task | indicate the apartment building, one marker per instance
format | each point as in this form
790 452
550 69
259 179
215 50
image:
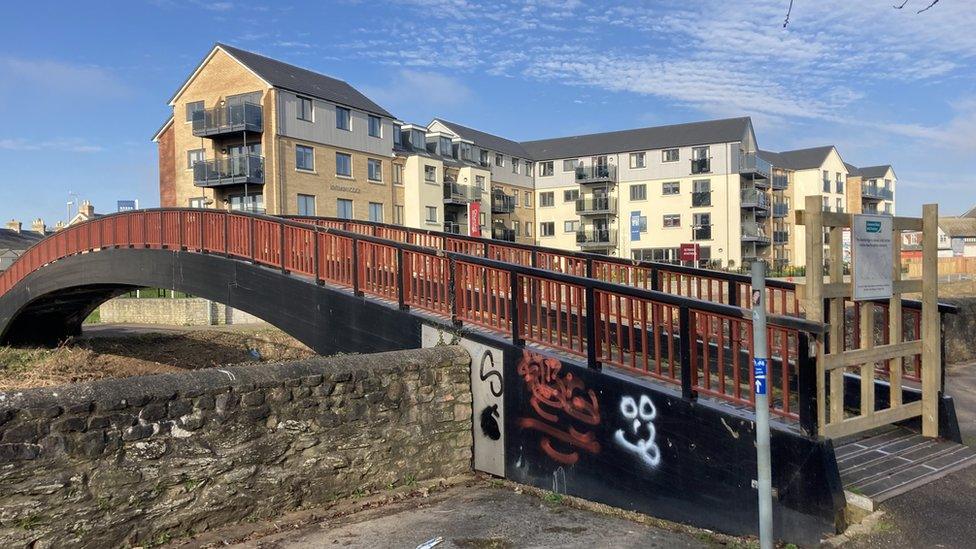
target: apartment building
251 133
871 189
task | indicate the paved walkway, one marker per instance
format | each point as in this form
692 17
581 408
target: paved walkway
477 517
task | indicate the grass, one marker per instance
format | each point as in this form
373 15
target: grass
553 497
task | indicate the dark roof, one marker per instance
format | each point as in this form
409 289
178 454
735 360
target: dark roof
658 137
800 159
282 75
852 169
12 240
875 172
487 140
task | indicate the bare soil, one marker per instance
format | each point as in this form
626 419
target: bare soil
88 359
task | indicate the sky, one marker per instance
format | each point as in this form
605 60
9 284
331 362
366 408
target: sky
84 86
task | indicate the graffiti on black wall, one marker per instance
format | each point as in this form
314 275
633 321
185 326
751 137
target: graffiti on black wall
638 434
565 411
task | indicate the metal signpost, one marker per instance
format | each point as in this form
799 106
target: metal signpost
764 479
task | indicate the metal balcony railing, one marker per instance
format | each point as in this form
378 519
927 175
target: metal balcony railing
454 192
702 232
596 174
780 182
781 209
502 233
752 165
596 237
502 203
701 198
452 227
596 205
874 191
751 198
228 120
701 165
753 232
780 237
230 170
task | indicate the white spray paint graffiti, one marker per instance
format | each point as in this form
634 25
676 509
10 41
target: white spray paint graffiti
641 414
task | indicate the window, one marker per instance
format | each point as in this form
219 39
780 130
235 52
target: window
465 151
840 204
192 109
398 215
483 157
515 198
701 193
200 202
528 168
446 148
547 229
638 192
840 183
431 214
672 220
304 158
570 226
669 155
517 227
249 203
306 204
304 109
528 229
569 165
479 180
375 169
702 220
397 174
670 188
376 212
637 160
887 184
547 199
192 157
545 169
826 182
397 135
343 208
430 174
342 118
499 160
375 126
528 199
515 165
343 164
571 196
826 204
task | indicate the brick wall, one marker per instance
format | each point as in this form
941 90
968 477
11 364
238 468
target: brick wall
191 311
138 460
167 168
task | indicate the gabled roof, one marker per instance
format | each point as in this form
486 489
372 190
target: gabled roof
875 172
159 132
853 170
289 77
658 137
13 240
958 227
800 159
487 140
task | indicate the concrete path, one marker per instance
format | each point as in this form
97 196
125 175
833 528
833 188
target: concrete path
477 517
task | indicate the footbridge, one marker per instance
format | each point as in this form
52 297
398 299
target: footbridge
625 382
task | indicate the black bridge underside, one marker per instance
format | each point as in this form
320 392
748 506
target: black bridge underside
50 304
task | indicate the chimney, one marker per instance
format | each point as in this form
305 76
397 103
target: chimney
38 226
59 226
87 209
14 225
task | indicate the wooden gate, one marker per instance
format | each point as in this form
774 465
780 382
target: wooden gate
853 344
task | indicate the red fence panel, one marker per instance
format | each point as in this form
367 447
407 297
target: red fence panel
638 334
468 247
377 269
239 236
483 296
267 242
215 232
554 313
426 282
510 254
300 249
560 263
335 258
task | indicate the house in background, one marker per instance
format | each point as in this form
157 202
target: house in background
14 240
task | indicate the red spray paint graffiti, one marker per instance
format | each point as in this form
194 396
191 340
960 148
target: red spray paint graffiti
559 397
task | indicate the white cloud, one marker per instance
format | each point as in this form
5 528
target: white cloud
420 90
58 144
30 76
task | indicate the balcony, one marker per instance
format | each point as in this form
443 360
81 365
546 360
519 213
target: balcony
589 175
596 238
702 232
781 209
595 205
229 120
459 194
231 170
753 167
780 182
701 199
501 233
875 192
780 237
502 203
452 227
751 198
701 165
753 232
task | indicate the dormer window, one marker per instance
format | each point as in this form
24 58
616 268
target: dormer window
446 147
418 140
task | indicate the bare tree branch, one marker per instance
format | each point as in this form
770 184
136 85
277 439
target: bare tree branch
902 5
927 8
788 11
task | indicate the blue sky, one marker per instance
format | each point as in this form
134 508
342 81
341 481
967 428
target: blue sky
83 88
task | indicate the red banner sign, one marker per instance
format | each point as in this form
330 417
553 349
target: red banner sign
689 252
474 218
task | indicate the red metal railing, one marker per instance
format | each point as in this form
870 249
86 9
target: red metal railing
617 317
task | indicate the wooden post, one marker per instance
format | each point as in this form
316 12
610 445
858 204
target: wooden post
931 337
813 225
837 320
895 326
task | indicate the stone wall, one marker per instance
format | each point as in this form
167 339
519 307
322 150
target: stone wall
173 312
145 459
959 328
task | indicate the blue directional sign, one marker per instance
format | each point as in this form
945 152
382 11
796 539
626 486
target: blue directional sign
759 374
